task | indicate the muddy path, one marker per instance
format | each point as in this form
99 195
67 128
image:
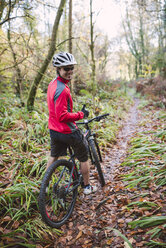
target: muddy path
95 215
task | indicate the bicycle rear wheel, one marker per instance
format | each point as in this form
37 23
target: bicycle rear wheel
58 193
96 161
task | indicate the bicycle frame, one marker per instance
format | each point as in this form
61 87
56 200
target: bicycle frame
88 136
91 136
74 167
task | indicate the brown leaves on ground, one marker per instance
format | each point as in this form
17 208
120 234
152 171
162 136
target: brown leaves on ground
94 216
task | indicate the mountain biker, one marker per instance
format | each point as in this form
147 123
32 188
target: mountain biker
61 123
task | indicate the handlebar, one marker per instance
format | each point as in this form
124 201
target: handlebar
97 118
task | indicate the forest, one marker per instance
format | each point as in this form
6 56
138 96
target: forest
123 74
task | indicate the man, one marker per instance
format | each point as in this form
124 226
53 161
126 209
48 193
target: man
63 129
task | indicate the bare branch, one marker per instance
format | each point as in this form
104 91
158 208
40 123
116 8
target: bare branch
11 18
5 49
66 40
13 66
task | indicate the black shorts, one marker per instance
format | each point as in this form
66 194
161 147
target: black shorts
60 142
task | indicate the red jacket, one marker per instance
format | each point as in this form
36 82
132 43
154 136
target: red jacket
60 106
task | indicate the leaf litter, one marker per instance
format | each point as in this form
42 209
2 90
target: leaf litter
110 217
117 215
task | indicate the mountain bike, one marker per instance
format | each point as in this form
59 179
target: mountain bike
59 187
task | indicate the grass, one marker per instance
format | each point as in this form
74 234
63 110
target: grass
24 150
147 162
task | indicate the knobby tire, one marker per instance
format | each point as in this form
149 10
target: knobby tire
96 158
55 205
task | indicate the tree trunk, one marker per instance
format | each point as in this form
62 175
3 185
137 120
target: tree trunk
2 7
71 83
164 41
70 26
142 43
42 70
136 45
93 65
17 69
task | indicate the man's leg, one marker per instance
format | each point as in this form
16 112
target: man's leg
85 169
51 161
81 152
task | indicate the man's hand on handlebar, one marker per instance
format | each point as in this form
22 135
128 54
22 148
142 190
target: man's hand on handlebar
85 111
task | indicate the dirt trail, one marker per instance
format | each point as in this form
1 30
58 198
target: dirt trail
95 215
118 152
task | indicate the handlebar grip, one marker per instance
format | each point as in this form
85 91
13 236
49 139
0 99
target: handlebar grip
98 118
105 115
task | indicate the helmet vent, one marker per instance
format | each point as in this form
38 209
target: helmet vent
63 59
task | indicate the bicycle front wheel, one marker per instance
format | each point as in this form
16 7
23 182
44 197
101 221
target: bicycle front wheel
58 193
96 161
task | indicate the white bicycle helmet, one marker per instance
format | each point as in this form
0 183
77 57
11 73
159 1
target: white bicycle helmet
63 59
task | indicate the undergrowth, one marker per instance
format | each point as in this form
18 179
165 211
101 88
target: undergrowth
146 162
24 153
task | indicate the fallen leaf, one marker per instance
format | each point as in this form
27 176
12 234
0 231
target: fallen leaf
79 235
62 240
16 224
109 241
87 241
7 218
121 221
132 240
69 238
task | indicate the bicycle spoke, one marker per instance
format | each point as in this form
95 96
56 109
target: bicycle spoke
59 193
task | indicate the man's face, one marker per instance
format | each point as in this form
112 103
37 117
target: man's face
66 72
